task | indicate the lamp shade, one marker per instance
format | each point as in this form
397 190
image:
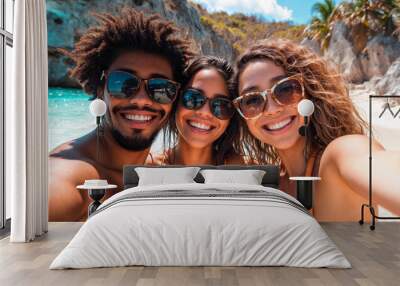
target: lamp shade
305 107
97 107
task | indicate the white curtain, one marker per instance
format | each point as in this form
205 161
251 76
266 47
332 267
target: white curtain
26 117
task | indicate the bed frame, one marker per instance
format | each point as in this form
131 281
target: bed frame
270 179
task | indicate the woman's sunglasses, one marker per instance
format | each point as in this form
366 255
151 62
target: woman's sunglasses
287 91
221 107
122 84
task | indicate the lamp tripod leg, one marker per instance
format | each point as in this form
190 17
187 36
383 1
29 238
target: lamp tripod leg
361 221
93 207
372 211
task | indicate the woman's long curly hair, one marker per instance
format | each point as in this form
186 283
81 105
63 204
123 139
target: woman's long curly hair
334 115
223 146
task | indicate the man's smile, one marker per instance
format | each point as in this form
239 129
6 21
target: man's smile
138 119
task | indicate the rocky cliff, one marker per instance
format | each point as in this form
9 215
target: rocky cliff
68 19
371 62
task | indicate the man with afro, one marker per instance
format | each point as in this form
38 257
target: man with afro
134 63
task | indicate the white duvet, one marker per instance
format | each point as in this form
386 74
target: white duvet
201 224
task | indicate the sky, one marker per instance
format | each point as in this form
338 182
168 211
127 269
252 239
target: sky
297 11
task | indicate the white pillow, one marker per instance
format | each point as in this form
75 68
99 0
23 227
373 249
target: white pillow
163 176
249 177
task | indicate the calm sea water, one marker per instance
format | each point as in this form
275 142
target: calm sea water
69 117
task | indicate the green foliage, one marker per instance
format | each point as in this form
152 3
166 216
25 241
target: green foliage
368 16
321 22
241 30
377 16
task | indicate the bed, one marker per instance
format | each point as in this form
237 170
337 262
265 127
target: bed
201 223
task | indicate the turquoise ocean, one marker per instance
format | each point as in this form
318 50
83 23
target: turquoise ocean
69 117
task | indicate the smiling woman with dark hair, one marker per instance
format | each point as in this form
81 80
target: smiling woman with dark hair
204 125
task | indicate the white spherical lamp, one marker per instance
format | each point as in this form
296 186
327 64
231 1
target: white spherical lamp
98 107
305 107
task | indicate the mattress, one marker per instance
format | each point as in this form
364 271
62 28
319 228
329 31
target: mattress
201 225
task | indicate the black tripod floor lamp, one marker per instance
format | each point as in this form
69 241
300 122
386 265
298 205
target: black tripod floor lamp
369 205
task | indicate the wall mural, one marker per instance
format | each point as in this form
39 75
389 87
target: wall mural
187 86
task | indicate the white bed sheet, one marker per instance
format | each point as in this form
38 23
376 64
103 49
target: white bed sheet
200 231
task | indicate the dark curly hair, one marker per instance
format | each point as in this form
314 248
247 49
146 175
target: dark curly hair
223 147
130 30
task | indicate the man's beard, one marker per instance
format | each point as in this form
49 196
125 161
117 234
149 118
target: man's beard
136 142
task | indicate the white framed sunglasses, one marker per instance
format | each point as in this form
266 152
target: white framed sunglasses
285 92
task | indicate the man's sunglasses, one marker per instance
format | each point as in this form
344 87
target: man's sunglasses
122 84
287 91
221 107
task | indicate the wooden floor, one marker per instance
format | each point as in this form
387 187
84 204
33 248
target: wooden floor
374 255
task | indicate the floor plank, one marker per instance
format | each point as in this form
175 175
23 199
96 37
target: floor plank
374 255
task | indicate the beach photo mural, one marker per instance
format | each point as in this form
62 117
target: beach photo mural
202 83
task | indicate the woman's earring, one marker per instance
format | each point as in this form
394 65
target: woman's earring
306 109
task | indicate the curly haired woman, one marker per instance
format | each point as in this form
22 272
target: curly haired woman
272 77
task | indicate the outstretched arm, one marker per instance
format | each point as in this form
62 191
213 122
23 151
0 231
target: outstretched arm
350 155
66 203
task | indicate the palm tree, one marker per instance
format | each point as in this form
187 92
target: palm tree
364 18
321 23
